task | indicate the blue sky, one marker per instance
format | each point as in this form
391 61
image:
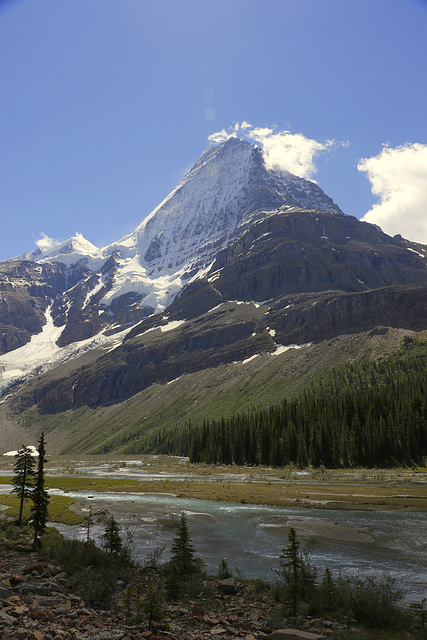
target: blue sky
105 104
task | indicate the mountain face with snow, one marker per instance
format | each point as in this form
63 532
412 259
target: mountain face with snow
225 187
143 272
161 302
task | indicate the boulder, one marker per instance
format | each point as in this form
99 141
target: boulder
39 567
229 585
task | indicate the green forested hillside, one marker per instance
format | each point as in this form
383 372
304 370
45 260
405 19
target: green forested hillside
366 414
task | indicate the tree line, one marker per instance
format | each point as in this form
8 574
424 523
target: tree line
366 414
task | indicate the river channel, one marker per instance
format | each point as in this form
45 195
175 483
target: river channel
251 537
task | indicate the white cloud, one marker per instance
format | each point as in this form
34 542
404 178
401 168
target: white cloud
282 150
399 177
44 242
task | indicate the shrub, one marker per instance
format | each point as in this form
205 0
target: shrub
223 570
96 587
170 522
373 601
93 572
153 559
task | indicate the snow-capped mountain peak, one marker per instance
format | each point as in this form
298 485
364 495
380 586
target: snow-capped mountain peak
66 251
226 185
234 231
225 188
71 250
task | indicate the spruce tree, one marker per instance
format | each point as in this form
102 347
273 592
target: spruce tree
292 565
173 586
223 570
183 550
23 479
153 601
112 541
39 496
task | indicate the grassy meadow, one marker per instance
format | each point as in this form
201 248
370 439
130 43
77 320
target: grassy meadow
361 489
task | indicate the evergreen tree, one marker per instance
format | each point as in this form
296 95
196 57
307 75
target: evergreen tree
364 414
173 586
153 601
23 480
112 541
223 570
39 496
327 591
183 550
292 564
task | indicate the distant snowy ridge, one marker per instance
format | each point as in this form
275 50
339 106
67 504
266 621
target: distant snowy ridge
68 252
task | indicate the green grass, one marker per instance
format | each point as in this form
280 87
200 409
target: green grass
59 509
330 490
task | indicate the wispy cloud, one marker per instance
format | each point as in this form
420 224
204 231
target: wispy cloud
282 150
44 242
399 177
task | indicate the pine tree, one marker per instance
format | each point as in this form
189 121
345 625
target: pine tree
327 590
112 541
23 480
39 496
223 570
153 601
173 586
183 550
292 563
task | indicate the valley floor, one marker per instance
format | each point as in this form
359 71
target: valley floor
365 489
398 489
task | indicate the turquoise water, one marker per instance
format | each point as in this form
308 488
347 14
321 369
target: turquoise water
251 537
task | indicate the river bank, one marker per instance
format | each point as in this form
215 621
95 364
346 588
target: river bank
367 521
38 601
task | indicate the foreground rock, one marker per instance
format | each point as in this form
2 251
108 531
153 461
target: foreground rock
36 604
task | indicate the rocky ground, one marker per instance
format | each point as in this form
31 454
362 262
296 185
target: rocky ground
36 604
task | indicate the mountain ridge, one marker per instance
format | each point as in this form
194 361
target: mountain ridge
237 263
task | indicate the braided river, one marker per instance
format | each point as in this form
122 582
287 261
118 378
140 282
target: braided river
250 537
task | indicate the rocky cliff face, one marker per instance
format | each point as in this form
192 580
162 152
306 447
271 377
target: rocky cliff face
26 291
229 333
291 251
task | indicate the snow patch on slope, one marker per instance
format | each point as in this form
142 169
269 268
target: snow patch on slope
283 348
21 361
42 353
157 292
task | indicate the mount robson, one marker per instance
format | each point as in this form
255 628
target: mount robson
246 303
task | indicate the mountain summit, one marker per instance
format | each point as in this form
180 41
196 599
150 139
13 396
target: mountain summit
226 185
